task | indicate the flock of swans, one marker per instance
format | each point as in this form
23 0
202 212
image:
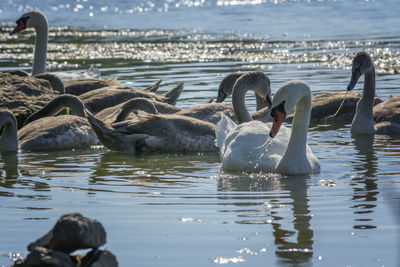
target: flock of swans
121 118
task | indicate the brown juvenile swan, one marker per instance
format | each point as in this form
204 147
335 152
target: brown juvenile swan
323 105
48 133
100 99
155 132
211 112
386 114
226 87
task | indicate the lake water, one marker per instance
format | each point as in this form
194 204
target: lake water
179 209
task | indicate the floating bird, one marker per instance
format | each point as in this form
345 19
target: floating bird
386 114
243 147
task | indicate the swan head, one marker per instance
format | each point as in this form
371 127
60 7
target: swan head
31 19
284 102
8 132
278 114
256 81
226 86
362 64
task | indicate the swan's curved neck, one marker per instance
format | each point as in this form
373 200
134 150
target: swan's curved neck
135 104
363 121
260 103
56 105
301 121
8 133
295 160
239 106
39 58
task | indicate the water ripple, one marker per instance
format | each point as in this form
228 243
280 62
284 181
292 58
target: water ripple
66 49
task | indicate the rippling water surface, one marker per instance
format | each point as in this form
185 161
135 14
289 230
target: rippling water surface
179 209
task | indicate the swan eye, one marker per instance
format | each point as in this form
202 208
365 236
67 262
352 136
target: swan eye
280 108
21 24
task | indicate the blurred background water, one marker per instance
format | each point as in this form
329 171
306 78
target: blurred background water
178 209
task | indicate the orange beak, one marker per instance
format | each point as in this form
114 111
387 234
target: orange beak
276 123
20 26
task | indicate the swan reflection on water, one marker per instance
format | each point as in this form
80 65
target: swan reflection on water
280 194
365 187
9 168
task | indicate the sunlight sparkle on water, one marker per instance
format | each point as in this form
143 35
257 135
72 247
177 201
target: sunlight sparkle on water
172 47
221 260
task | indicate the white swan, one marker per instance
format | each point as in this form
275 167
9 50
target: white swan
37 20
48 133
241 148
386 114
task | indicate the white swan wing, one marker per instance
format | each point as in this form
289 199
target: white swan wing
314 162
244 150
222 129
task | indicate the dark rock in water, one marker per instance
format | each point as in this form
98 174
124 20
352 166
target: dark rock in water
73 231
40 257
24 95
99 258
41 242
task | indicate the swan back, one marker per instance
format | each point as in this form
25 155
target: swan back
55 82
56 133
387 116
167 133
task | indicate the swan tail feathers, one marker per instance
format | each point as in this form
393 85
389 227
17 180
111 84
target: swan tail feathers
154 87
171 97
105 133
